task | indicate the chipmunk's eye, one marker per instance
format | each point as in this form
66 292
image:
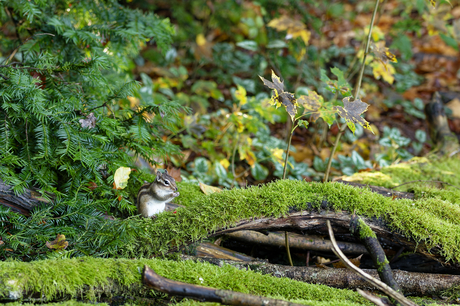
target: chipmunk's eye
166 182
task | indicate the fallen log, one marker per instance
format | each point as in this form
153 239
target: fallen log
309 222
296 241
412 283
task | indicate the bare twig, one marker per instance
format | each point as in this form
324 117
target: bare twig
375 282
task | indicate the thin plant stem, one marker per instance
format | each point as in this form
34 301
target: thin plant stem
286 238
358 87
287 154
286 235
361 73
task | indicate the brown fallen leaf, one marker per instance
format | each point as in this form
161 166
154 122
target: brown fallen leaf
356 261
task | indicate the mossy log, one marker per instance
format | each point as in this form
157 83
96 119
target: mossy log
412 283
120 281
206 294
315 223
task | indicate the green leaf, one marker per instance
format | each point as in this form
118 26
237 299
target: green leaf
303 122
342 83
319 164
248 45
450 41
259 172
420 135
336 86
201 165
220 170
276 44
404 45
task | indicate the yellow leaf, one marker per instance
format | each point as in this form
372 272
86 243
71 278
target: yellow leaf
377 33
200 40
225 163
209 189
240 94
121 177
386 72
133 101
294 28
278 155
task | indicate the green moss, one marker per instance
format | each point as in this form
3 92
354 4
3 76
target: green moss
381 265
428 220
365 231
65 303
187 302
189 193
419 169
74 276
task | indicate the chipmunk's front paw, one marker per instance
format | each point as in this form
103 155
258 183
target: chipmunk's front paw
176 194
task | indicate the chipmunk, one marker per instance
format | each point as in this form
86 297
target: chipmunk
152 197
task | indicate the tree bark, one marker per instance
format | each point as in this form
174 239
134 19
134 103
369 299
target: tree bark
359 229
412 283
296 241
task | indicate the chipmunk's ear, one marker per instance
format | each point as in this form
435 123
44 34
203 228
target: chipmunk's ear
158 175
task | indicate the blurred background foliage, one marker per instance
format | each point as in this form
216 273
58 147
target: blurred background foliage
175 84
235 137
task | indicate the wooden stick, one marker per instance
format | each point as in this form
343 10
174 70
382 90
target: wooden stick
200 293
377 283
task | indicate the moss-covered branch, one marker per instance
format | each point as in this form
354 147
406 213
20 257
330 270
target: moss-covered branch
95 278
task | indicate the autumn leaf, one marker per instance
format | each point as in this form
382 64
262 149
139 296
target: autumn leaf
58 244
280 96
382 53
120 179
386 72
311 104
240 95
294 28
355 261
209 189
314 104
351 112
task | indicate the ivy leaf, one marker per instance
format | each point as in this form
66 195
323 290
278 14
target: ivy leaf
259 172
351 112
58 244
281 97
